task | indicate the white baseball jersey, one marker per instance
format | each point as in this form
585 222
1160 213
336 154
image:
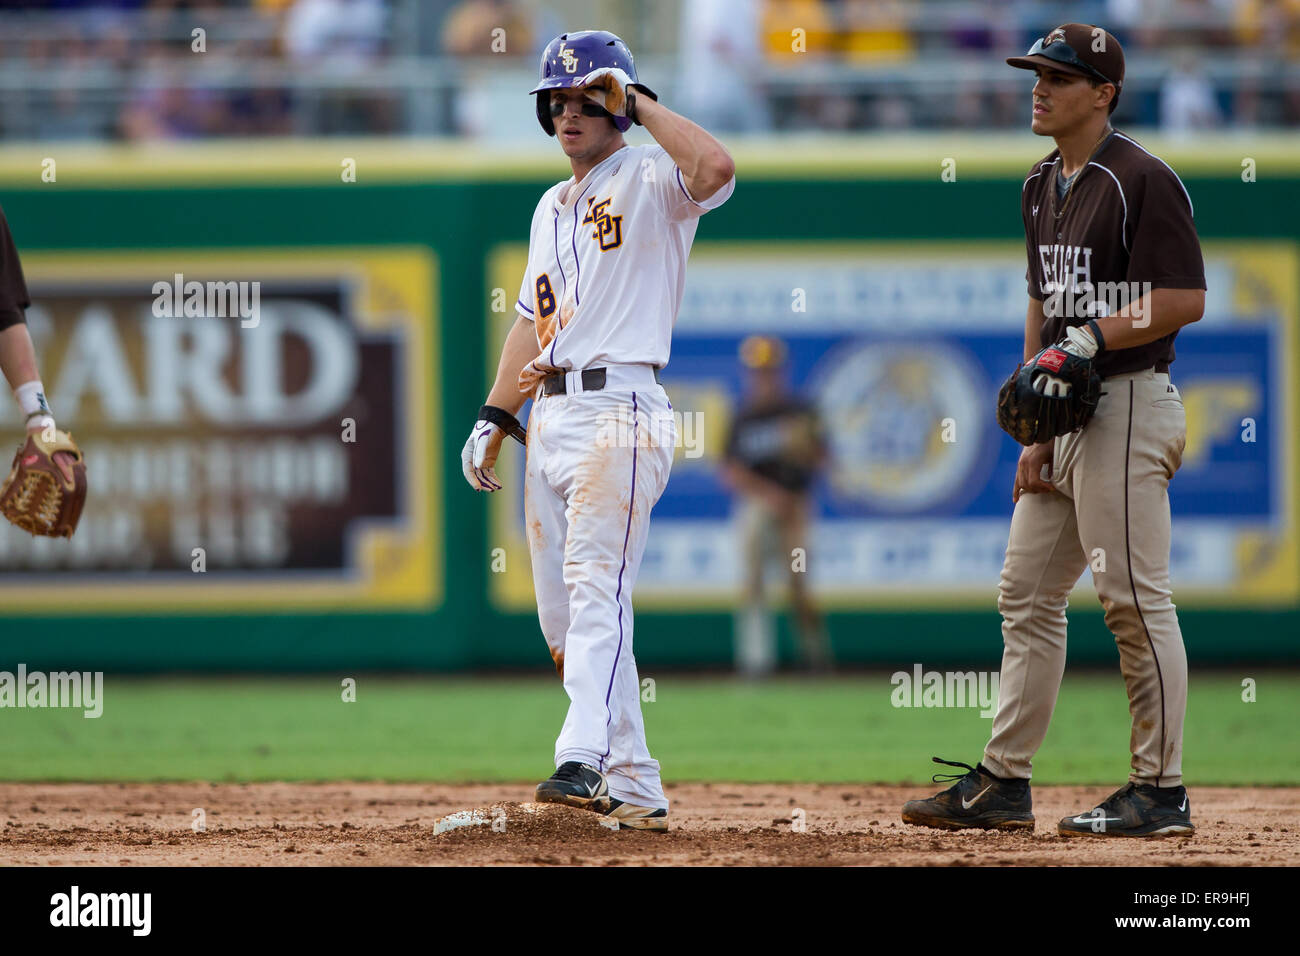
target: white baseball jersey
606 266
607 262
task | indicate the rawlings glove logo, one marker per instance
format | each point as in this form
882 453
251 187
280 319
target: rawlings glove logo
1051 359
1035 407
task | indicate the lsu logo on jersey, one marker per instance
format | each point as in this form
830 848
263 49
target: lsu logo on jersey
570 61
609 229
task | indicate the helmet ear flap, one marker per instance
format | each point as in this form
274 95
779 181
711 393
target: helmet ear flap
544 112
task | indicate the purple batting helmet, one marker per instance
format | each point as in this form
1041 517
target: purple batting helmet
570 57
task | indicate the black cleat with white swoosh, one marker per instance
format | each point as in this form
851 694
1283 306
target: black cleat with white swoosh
576 785
1135 810
978 800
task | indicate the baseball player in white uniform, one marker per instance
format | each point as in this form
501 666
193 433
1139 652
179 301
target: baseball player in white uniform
606 266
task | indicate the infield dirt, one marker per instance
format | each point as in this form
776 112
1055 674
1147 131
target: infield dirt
293 824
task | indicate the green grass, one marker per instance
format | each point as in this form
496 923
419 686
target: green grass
491 729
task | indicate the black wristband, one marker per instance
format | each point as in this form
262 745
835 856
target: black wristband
1096 334
629 110
505 421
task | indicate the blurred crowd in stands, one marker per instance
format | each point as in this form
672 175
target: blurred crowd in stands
179 69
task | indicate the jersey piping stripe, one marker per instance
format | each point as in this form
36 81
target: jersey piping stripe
563 276
1123 227
618 594
573 242
1186 194
523 308
559 319
1132 583
683 185
1039 173
565 279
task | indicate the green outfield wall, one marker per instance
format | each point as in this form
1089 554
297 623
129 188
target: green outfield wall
431 606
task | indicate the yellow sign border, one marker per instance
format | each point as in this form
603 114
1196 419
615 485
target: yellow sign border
395 568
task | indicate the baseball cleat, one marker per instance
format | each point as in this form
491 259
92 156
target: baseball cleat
576 785
632 817
1135 810
978 800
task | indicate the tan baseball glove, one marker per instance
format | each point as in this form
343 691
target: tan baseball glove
46 487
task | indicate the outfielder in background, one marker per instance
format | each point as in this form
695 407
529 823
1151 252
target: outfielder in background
774 452
46 487
1115 270
606 266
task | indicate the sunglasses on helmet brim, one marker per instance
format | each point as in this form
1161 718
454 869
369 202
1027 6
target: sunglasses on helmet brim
1062 52
588 108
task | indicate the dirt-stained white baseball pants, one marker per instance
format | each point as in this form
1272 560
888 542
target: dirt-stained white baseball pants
596 464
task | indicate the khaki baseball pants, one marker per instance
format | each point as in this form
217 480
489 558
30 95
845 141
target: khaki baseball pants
768 537
1111 512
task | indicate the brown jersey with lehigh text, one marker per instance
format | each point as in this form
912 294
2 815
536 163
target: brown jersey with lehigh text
13 289
1123 229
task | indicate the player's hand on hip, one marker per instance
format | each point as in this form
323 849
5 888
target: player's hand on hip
607 87
479 456
1034 461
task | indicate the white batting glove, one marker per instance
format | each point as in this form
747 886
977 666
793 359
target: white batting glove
607 87
479 456
1081 341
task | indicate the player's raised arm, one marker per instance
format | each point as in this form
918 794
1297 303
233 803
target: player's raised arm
705 163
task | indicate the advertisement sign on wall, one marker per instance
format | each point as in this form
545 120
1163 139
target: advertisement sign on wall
260 430
902 347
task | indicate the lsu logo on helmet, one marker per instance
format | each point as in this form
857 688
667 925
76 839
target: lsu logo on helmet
570 61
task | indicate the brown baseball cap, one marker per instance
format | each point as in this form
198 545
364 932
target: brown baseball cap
1078 48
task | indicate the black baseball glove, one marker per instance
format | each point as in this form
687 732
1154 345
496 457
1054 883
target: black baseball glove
1055 393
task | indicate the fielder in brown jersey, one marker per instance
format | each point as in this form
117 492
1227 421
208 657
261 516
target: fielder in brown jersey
1115 270
17 354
